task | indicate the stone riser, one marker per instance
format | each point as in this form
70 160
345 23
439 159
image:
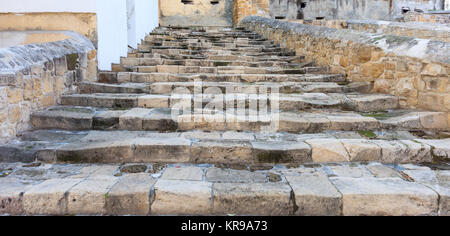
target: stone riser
134 77
210 88
209 53
131 63
285 102
211 49
83 118
174 69
305 191
158 59
229 148
213 45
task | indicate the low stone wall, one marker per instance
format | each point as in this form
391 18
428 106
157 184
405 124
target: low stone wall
441 17
416 70
416 29
34 76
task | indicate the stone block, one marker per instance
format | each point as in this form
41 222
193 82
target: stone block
315 195
264 199
171 198
381 197
328 150
89 196
130 196
49 197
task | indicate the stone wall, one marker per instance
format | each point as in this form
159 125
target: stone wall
83 23
196 12
34 76
244 8
418 30
416 70
436 17
366 9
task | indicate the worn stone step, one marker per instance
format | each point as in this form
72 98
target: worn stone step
212 87
244 96
222 148
145 59
228 70
165 119
135 77
207 53
371 189
131 62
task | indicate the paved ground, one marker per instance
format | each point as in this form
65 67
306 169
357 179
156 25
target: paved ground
158 189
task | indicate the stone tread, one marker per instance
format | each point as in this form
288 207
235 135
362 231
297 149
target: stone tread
222 147
249 95
160 118
169 87
326 190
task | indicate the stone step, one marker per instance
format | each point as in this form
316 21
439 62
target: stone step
238 97
242 42
146 59
131 62
220 148
207 53
135 77
221 45
218 48
175 69
166 119
371 189
211 87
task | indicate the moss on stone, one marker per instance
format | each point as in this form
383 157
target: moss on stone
367 134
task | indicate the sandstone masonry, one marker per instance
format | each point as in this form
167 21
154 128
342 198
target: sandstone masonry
34 76
416 70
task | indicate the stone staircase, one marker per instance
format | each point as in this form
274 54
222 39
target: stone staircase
241 102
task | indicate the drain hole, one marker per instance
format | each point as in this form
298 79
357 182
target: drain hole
215 2
280 17
190 2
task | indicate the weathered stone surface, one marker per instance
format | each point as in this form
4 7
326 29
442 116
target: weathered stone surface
132 120
281 152
361 150
403 151
374 196
234 176
240 199
89 197
315 195
440 148
382 171
130 196
351 171
170 198
328 150
183 173
96 152
164 150
215 152
49 197
11 200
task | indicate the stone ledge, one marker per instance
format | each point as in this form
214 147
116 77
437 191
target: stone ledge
16 58
34 76
403 46
322 189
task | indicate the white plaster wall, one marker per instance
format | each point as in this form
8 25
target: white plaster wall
118 26
48 6
145 18
112 32
131 23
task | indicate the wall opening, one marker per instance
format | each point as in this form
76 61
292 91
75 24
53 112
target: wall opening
188 2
